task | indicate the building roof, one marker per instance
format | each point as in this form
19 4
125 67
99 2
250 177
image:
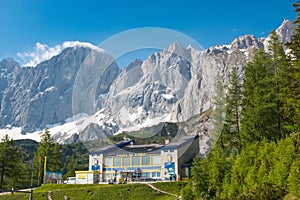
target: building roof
127 147
178 143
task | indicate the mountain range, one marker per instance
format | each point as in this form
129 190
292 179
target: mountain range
173 85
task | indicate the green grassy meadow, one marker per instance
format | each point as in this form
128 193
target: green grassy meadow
101 191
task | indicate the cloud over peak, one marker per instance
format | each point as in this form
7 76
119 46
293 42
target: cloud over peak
42 52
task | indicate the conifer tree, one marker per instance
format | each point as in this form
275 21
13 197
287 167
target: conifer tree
265 93
279 80
10 163
294 179
42 154
218 116
231 129
54 161
256 85
200 177
71 166
292 106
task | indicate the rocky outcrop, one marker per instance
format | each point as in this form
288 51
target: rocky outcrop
38 96
173 85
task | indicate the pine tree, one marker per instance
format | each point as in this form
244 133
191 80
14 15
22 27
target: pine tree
297 10
218 116
292 105
42 154
265 94
279 80
256 86
231 129
283 156
294 179
200 177
71 166
217 169
294 174
10 164
54 158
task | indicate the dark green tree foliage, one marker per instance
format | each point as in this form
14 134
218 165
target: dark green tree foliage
262 170
280 81
254 86
50 151
267 165
12 172
71 167
218 116
297 10
231 128
200 177
265 92
292 107
239 173
208 173
54 158
294 179
75 157
187 192
41 154
217 168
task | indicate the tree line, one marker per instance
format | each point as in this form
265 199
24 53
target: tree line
22 163
257 152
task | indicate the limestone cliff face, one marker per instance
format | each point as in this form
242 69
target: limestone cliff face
33 97
173 85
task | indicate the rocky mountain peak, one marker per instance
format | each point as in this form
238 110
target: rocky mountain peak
245 42
285 30
177 49
174 85
8 65
133 64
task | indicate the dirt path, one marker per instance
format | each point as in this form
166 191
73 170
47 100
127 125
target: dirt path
49 195
159 190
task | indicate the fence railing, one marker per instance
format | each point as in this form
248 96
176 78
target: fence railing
12 191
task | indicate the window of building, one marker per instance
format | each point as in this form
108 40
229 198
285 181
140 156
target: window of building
146 160
146 175
136 160
126 161
117 161
108 161
155 174
155 160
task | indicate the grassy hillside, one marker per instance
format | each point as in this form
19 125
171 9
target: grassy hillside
91 192
171 187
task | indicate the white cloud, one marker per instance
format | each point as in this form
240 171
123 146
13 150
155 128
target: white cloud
42 52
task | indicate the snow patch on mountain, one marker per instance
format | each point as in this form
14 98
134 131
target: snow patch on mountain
172 85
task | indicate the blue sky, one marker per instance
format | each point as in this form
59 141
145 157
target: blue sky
23 23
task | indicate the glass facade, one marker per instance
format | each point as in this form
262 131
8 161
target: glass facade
155 174
117 161
146 175
132 160
146 160
136 160
147 164
108 161
155 160
126 161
